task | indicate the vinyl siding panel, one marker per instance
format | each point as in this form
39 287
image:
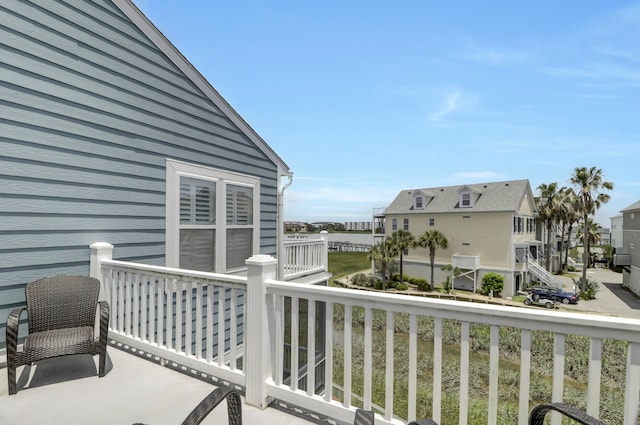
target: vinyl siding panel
90 110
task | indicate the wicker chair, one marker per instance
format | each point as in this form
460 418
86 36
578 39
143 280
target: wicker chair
234 406
363 417
538 413
61 314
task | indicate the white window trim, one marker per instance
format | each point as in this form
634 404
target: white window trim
470 199
177 169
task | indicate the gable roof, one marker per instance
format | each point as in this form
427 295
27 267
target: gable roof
633 207
506 196
173 54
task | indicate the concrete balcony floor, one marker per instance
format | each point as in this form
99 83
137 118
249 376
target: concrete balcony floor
68 391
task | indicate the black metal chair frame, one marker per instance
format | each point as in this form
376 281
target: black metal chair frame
61 316
538 413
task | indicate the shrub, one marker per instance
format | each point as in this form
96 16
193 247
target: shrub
402 287
362 279
571 269
446 285
417 281
423 285
492 282
573 253
588 292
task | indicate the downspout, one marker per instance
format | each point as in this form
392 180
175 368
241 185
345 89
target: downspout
280 236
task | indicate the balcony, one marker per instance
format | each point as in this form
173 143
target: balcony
255 332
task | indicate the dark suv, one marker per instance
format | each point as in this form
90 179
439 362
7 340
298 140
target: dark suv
555 294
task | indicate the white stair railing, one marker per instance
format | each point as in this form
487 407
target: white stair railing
540 272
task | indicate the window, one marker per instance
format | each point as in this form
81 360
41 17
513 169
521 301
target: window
394 224
419 204
432 222
466 200
211 223
405 224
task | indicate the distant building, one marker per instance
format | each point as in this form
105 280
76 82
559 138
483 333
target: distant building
357 225
627 256
294 226
491 227
616 232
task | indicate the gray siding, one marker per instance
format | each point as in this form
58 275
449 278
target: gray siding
90 109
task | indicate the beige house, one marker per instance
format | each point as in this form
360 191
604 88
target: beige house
490 227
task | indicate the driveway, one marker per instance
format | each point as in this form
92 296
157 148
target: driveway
611 299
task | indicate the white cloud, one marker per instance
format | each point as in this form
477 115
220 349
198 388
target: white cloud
451 102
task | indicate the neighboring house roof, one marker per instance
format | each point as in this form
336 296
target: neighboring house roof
492 197
146 26
633 207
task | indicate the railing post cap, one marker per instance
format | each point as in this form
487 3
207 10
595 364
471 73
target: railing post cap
98 245
324 232
260 259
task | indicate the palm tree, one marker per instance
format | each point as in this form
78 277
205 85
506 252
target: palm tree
383 254
592 233
432 240
571 214
589 183
566 217
547 204
402 240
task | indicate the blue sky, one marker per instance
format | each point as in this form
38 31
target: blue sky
363 99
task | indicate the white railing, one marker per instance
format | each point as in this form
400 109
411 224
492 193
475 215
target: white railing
303 257
540 272
192 318
527 322
284 322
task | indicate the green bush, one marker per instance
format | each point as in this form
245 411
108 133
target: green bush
402 287
362 279
492 282
573 253
423 285
589 290
446 285
571 269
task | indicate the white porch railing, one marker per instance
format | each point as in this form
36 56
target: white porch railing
303 257
282 321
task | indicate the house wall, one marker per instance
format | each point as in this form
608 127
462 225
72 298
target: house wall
631 245
91 110
485 234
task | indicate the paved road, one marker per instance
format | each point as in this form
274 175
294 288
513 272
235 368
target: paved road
611 299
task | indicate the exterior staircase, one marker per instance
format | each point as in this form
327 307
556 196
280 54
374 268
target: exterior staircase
541 273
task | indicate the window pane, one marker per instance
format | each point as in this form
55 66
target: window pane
239 247
239 205
197 201
197 249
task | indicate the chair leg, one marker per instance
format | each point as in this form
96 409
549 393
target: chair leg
12 347
11 371
102 359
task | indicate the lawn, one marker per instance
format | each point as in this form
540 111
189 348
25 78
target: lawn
344 263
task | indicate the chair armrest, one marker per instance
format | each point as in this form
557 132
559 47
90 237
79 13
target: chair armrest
104 320
538 413
234 406
363 417
13 322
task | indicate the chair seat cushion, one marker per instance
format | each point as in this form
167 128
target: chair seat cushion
59 339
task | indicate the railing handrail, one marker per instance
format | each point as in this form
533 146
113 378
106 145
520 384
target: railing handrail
170 272
289 242
560 322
